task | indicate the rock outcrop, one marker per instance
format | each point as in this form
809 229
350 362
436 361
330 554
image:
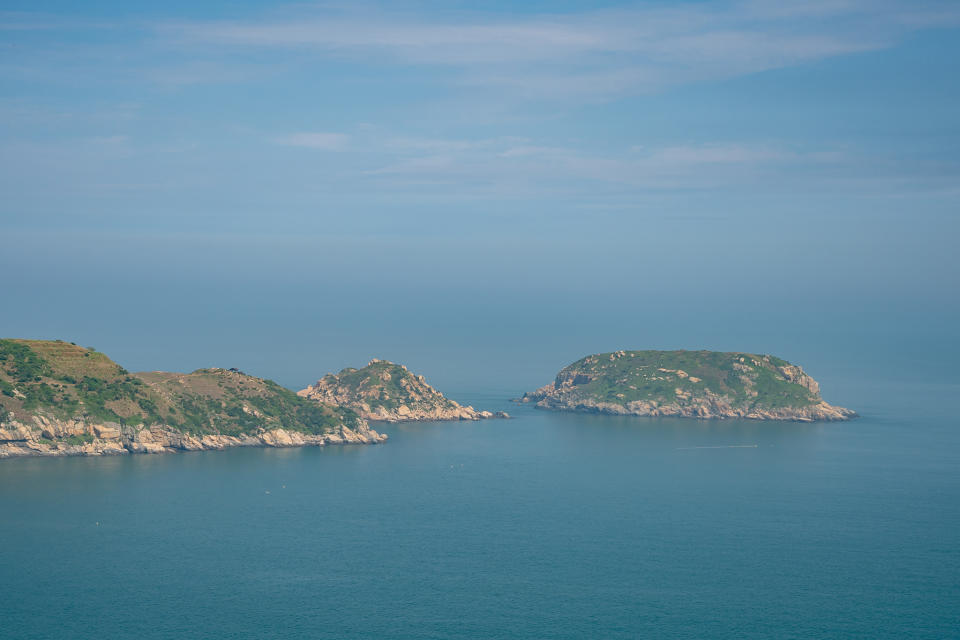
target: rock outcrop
58 399
388 392
94 439
689 384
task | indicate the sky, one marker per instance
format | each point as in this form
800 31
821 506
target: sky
484 191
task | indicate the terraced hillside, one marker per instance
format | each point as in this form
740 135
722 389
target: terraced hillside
57 398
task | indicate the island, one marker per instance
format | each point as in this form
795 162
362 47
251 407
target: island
688 384
60 399
388 392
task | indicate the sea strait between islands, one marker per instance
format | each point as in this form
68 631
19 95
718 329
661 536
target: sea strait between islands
61 399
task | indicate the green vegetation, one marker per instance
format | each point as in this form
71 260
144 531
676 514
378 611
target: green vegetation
22 363
232 403
744 380
62 380
380 381
382 384
66 381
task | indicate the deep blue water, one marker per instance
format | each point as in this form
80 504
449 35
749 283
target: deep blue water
545 526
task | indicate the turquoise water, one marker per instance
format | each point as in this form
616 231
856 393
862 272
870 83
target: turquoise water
546 526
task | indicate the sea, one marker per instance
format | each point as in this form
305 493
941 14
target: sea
548 525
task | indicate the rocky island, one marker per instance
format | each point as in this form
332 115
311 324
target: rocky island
388 392
59 399
690 384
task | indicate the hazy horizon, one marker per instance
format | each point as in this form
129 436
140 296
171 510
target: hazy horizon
483 193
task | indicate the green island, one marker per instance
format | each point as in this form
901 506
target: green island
388 392
57 398
691 384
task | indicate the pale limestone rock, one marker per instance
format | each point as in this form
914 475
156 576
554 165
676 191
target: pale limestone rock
417 400
106 432
17 439
14 432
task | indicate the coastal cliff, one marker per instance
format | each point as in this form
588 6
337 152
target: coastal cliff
388 392
59 399
689 384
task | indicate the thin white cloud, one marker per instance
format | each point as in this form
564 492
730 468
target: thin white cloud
719 154
584 56
595 52
411 144
532 150
670 166
414 41
325 141
425 167
35 21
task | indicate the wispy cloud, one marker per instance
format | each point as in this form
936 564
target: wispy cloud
528 164
644 48
531 150
31 21
685 155
315 140
443 96
589 54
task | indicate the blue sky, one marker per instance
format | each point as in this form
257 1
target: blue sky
434 182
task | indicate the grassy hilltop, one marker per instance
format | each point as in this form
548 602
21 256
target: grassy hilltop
383 384
389 392
63 381
708 384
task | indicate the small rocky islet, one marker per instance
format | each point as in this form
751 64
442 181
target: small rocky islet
388 392
687 384
60 399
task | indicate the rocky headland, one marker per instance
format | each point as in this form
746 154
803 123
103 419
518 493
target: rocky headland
689 384
388 392
59 399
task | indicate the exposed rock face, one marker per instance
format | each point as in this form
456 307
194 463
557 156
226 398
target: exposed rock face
690 384
12 432
57 398
388 392
91 439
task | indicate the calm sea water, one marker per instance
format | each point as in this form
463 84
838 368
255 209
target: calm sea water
546 526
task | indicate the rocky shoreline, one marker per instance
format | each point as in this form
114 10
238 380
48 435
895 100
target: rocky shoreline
403 413
708 408
387 392
688 384
118 413
58 438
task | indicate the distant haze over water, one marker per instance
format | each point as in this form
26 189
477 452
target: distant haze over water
504 313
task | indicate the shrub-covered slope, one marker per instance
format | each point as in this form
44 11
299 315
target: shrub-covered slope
386 391
700 384
55 395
